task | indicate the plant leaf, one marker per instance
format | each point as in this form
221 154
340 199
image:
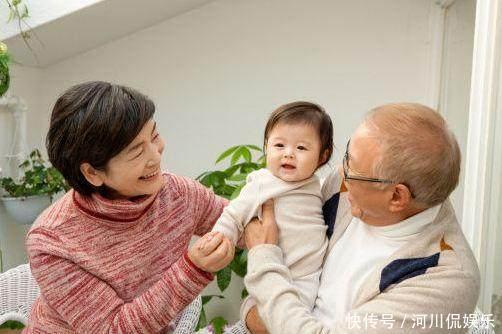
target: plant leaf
218 324
246 154
254 147
238 178
236 155
207 298
227 153
223 278
202 320
236 192
239 263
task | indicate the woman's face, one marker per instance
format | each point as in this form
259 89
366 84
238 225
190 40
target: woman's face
135 171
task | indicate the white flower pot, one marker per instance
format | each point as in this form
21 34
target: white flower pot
25 210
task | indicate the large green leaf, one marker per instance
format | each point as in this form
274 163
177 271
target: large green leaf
244 293
254 147
239 263
246 154
236 192
223 278
238 177
227 153
237 155
202 320
218 324
207 298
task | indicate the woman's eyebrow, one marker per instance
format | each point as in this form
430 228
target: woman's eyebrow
141 143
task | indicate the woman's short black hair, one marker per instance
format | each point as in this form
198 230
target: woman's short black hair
92 122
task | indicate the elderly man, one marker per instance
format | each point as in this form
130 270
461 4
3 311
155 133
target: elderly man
397 260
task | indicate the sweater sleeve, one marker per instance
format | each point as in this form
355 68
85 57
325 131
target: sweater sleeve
90 305
446 292
205 205
239 211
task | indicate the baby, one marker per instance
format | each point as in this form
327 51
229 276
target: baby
298 140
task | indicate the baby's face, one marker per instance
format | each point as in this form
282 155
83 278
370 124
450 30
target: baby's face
293 151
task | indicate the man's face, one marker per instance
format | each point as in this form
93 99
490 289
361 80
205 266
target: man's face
368 202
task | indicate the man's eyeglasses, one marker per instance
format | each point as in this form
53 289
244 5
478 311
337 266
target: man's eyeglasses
354 177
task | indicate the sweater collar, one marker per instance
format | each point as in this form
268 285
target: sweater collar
114 210
408 227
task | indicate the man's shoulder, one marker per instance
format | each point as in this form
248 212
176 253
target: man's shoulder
440 253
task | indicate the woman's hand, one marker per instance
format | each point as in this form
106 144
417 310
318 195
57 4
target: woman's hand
212 252
254 323
262 232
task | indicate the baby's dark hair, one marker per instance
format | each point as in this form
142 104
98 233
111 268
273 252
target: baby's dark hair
307 113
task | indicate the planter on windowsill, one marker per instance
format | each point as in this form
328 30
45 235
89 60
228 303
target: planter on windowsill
24 210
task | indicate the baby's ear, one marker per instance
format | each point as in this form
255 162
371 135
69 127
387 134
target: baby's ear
324 157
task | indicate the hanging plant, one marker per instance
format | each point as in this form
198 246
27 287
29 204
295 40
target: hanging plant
4 69
18 11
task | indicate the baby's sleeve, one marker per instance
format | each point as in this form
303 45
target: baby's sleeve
240 210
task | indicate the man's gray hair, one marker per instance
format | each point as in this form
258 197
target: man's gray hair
416 149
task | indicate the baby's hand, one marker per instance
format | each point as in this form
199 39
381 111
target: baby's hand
212 252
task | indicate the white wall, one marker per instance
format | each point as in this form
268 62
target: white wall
456 79
25 83
216 72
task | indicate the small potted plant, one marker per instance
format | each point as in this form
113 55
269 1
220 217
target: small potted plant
28 197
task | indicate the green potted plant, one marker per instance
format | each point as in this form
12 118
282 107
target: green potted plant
28 197
228 182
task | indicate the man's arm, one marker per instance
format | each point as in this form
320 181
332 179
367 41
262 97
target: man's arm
447 292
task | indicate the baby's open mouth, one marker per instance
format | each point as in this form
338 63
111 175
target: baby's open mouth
288 166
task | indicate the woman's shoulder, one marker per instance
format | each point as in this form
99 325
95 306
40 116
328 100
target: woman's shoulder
52 222
57 213
177 185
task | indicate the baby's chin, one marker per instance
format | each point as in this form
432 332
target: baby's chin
289 177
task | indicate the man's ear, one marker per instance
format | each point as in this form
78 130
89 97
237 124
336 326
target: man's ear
401 198
91 174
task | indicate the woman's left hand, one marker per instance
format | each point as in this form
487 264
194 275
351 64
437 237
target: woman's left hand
262 232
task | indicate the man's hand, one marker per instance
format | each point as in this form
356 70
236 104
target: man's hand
212 252
262 232
254 323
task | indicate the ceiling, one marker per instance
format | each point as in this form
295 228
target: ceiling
93 24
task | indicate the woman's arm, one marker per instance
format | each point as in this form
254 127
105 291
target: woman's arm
202 202
91 305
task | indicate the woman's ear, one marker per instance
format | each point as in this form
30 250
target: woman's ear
91 174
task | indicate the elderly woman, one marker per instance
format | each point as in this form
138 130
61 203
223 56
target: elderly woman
111 255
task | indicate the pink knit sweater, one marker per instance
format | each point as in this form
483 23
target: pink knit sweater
118 266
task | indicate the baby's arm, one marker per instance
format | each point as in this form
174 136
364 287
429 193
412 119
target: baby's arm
239 211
